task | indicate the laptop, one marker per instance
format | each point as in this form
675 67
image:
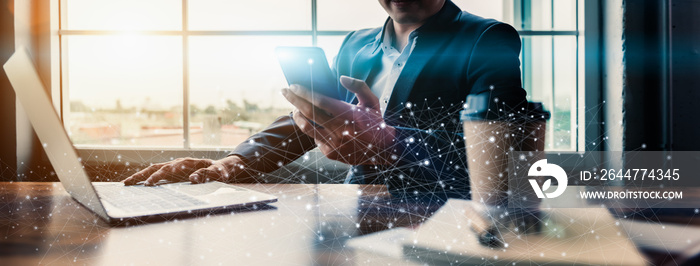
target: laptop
112 201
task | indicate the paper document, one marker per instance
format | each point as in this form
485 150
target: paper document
381 248
583 236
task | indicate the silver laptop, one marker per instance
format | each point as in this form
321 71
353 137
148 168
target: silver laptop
114 202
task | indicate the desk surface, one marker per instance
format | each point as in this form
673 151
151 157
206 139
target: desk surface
41 224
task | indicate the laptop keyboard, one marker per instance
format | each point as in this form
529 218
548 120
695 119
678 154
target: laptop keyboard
138 198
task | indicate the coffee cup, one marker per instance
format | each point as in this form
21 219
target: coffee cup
492 133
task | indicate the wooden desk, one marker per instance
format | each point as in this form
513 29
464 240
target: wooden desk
41 224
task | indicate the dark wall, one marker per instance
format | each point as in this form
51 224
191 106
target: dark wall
646 72
662 65
8 134
33 31
685 75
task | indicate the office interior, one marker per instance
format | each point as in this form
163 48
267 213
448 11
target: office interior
636 90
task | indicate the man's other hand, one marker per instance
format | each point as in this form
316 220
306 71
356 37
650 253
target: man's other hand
352 134
189 169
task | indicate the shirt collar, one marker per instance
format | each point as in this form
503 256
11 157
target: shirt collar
449 13
388 35
386 38
381 36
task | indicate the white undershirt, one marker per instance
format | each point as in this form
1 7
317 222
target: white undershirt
392 65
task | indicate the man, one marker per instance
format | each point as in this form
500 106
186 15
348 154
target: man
399 124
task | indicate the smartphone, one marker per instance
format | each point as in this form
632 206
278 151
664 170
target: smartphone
308 67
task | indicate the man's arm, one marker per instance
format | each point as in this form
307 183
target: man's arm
279 144
494 67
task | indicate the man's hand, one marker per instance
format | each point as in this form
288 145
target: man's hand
353 134
194 170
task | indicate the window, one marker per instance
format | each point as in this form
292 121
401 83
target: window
552 60
201 74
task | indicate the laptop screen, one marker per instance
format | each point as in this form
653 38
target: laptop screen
33 97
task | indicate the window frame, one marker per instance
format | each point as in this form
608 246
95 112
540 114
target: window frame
185 33
587 67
